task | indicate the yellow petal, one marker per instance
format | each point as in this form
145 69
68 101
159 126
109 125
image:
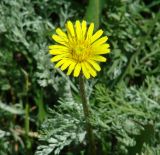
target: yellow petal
59 63
67 62
77 70
84 28
100 41
61 33
96 35
90 69
71 67
85 71
99 58
56 52
70 28
102 49
90 30
60 40
95 65
59 57
78 29
57 47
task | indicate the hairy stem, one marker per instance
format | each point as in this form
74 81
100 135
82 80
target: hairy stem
90 137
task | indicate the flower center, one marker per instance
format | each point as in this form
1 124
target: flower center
80 53
79 50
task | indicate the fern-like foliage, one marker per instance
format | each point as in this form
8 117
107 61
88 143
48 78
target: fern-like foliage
64 126
128 116
123 116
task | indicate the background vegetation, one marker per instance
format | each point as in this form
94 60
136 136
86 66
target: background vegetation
40 109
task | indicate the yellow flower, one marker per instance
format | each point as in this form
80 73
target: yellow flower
79 49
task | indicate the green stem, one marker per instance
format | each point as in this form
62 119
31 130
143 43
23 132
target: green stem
27 126
27 119
90 137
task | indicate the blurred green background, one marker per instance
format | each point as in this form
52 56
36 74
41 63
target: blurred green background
40 109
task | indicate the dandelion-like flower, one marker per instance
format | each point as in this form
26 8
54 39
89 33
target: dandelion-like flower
79 49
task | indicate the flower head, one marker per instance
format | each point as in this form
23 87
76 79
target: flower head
79 49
